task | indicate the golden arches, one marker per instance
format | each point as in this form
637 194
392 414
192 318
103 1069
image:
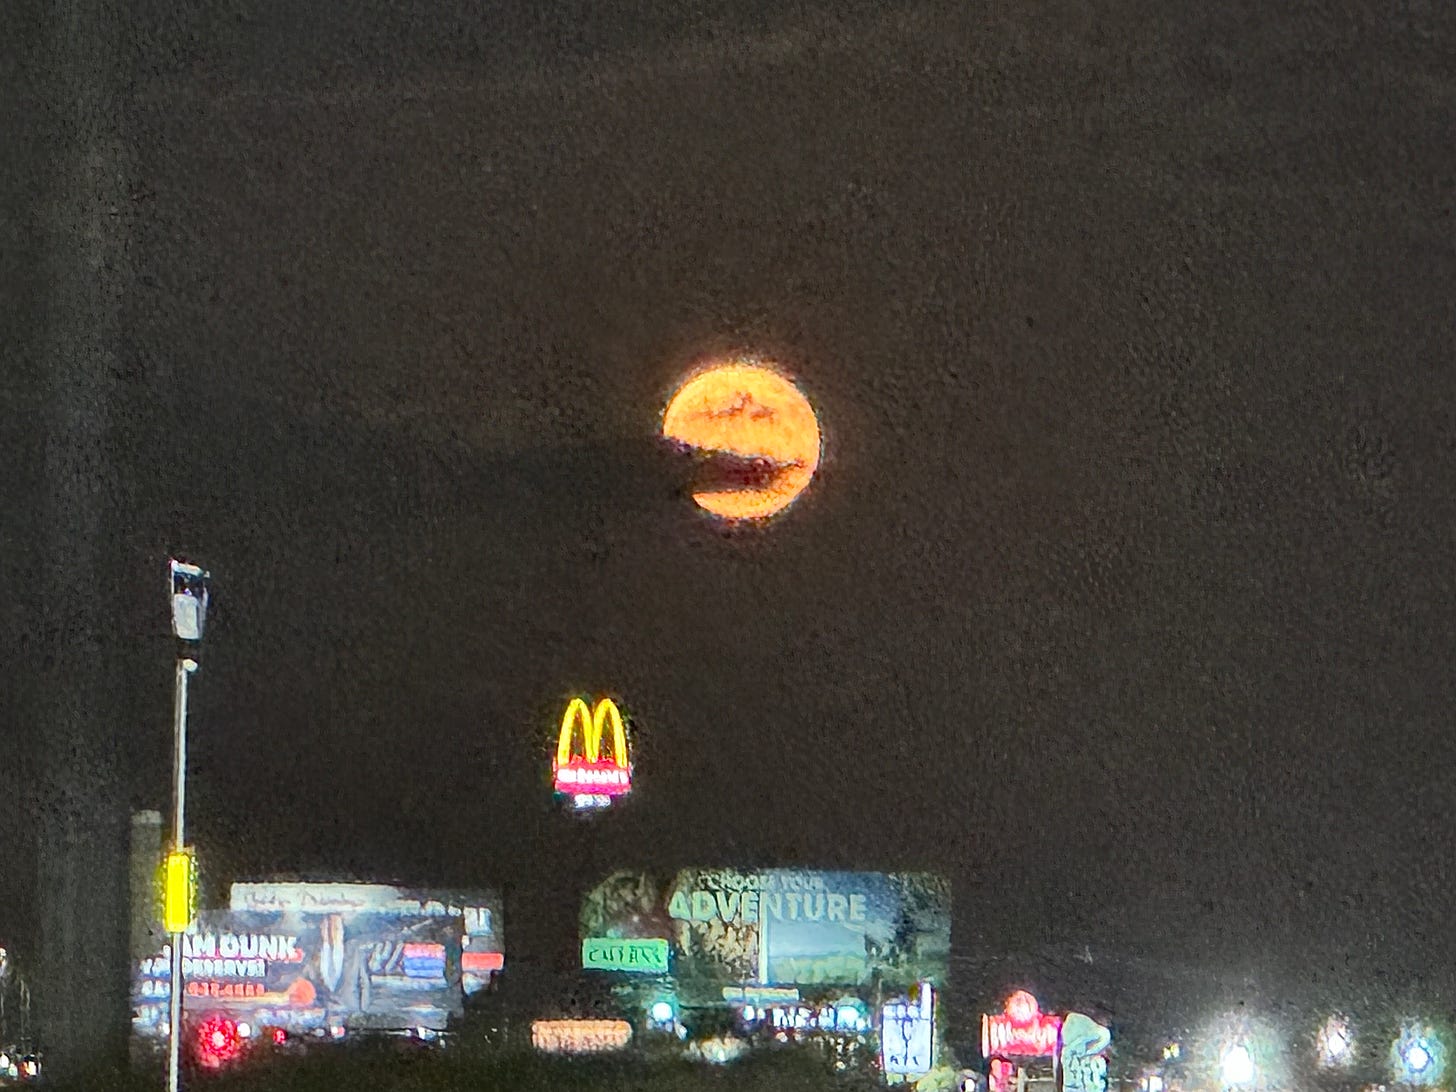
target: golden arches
594 723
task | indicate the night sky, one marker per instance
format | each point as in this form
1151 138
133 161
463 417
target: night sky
1124 593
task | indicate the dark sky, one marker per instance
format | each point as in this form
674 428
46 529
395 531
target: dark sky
1124 593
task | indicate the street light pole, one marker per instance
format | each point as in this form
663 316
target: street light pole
185 667
187 587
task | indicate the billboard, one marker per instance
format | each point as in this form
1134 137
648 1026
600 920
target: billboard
297 971
478 912
781 927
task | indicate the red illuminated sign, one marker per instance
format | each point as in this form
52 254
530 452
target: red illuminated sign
1022 1031
482 961
230 990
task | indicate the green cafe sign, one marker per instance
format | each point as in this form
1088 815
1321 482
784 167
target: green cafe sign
640 955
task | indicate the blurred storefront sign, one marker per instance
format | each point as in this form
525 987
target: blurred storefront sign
580 1036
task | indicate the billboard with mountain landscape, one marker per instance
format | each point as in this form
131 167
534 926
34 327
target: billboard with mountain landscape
805 928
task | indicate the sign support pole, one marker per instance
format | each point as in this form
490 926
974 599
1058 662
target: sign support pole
185 667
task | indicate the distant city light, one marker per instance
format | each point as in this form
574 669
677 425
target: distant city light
1418 1057
1237 1065
245 1030
661 1012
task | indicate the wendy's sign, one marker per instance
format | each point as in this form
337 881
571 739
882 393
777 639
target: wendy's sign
1022 1031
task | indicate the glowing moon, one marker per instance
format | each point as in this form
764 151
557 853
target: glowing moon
744 414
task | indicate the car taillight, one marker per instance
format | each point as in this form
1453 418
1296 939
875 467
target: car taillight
218 1041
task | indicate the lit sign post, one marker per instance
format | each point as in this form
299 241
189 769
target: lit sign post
592 778
907 1034
1084 1044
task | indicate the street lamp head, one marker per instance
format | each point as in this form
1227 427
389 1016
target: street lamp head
188 587
1335 1042
1417 1057
1237 1065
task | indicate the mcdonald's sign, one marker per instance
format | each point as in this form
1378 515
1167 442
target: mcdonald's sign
592 772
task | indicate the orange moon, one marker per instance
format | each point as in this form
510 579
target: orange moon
743 413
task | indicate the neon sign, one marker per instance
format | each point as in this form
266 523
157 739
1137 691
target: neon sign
1022 1031
593 773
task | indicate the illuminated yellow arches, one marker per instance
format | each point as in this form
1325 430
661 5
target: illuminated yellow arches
593 724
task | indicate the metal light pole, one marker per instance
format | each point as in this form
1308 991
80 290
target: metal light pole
188 588
185 667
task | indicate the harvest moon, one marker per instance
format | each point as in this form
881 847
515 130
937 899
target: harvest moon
754 430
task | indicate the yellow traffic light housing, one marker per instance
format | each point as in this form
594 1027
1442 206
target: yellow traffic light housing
179 890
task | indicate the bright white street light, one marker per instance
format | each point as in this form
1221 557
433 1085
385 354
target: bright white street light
661 1012
1417 1056
1237 1065
1335 1042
